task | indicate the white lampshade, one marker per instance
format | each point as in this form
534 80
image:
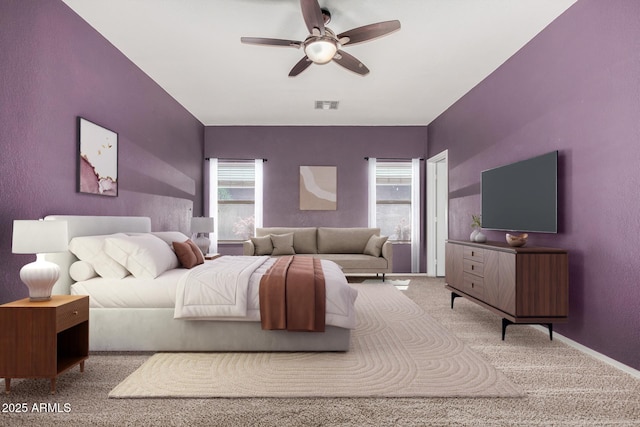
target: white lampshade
321 51
202 224
39 237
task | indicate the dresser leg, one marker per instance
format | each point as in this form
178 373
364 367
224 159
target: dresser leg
505 323
7 385
453 296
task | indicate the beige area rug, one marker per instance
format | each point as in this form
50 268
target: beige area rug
397 350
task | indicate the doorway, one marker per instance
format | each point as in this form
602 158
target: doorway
437 213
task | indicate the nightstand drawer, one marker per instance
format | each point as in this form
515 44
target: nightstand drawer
71 314
473 254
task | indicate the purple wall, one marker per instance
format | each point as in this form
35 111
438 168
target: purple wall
289 147
54 68
574 88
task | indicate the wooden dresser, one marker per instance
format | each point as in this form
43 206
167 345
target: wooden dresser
526 285
42 339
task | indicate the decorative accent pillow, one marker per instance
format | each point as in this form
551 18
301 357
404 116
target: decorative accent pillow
282 244
187 255
196 250
91 250
145 256
374 245
263 245
82 270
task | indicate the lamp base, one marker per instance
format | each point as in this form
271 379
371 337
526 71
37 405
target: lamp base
203 243
39 277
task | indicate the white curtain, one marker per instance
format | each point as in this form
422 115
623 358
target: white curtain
415 215
213 202
258 193
372 192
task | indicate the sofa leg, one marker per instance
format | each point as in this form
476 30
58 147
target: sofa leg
383 277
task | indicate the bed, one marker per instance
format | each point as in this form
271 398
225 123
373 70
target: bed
119 323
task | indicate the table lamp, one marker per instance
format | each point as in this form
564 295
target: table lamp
39 237
201 225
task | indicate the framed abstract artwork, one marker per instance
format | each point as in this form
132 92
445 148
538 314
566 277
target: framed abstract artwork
318 188
97 159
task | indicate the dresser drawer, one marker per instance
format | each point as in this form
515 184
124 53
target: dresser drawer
71 314
473 267
474 285
473 254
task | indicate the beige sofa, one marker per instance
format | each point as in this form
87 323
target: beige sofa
355 250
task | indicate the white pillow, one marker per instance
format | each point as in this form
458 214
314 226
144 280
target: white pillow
145 256
170 236
91 250
82 270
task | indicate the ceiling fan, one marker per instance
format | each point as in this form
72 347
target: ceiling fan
322 45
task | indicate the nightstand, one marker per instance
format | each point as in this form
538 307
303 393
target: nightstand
210 257
42 339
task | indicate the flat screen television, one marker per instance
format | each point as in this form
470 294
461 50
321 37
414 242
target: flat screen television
522 196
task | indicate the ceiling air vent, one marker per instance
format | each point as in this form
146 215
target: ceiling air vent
326 105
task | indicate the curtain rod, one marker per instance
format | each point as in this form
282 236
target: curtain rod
395 158
227 158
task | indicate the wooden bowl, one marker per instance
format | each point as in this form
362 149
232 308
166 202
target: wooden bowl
517 240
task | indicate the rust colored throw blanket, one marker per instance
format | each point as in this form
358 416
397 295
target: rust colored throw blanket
292 295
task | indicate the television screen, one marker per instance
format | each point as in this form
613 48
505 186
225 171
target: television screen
522 196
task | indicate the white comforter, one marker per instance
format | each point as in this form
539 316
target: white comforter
228 289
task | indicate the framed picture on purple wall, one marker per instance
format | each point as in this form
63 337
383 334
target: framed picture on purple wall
97 159
318 188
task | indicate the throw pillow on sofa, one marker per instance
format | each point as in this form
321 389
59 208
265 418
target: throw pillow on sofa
282 244
262 245
374 245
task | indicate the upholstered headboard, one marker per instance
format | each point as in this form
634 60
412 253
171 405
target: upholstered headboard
84 225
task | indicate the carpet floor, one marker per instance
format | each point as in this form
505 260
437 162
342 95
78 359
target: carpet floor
397 350
563 387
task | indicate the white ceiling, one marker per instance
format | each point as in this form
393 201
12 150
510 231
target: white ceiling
192 49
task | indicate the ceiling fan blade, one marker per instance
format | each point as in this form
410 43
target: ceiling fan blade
302 65
351 63
312 15
368 32
270 42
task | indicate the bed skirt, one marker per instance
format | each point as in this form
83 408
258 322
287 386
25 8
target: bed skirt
155 329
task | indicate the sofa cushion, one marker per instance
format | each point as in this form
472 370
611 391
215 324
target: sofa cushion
263 245
374 245
304 238
282 244
344 240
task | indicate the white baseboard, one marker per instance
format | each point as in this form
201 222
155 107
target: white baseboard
606 359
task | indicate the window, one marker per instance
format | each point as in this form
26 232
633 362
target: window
393 200
238 193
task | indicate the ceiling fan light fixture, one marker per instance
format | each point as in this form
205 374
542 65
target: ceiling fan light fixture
321 50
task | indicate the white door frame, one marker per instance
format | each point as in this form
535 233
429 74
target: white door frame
432 211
